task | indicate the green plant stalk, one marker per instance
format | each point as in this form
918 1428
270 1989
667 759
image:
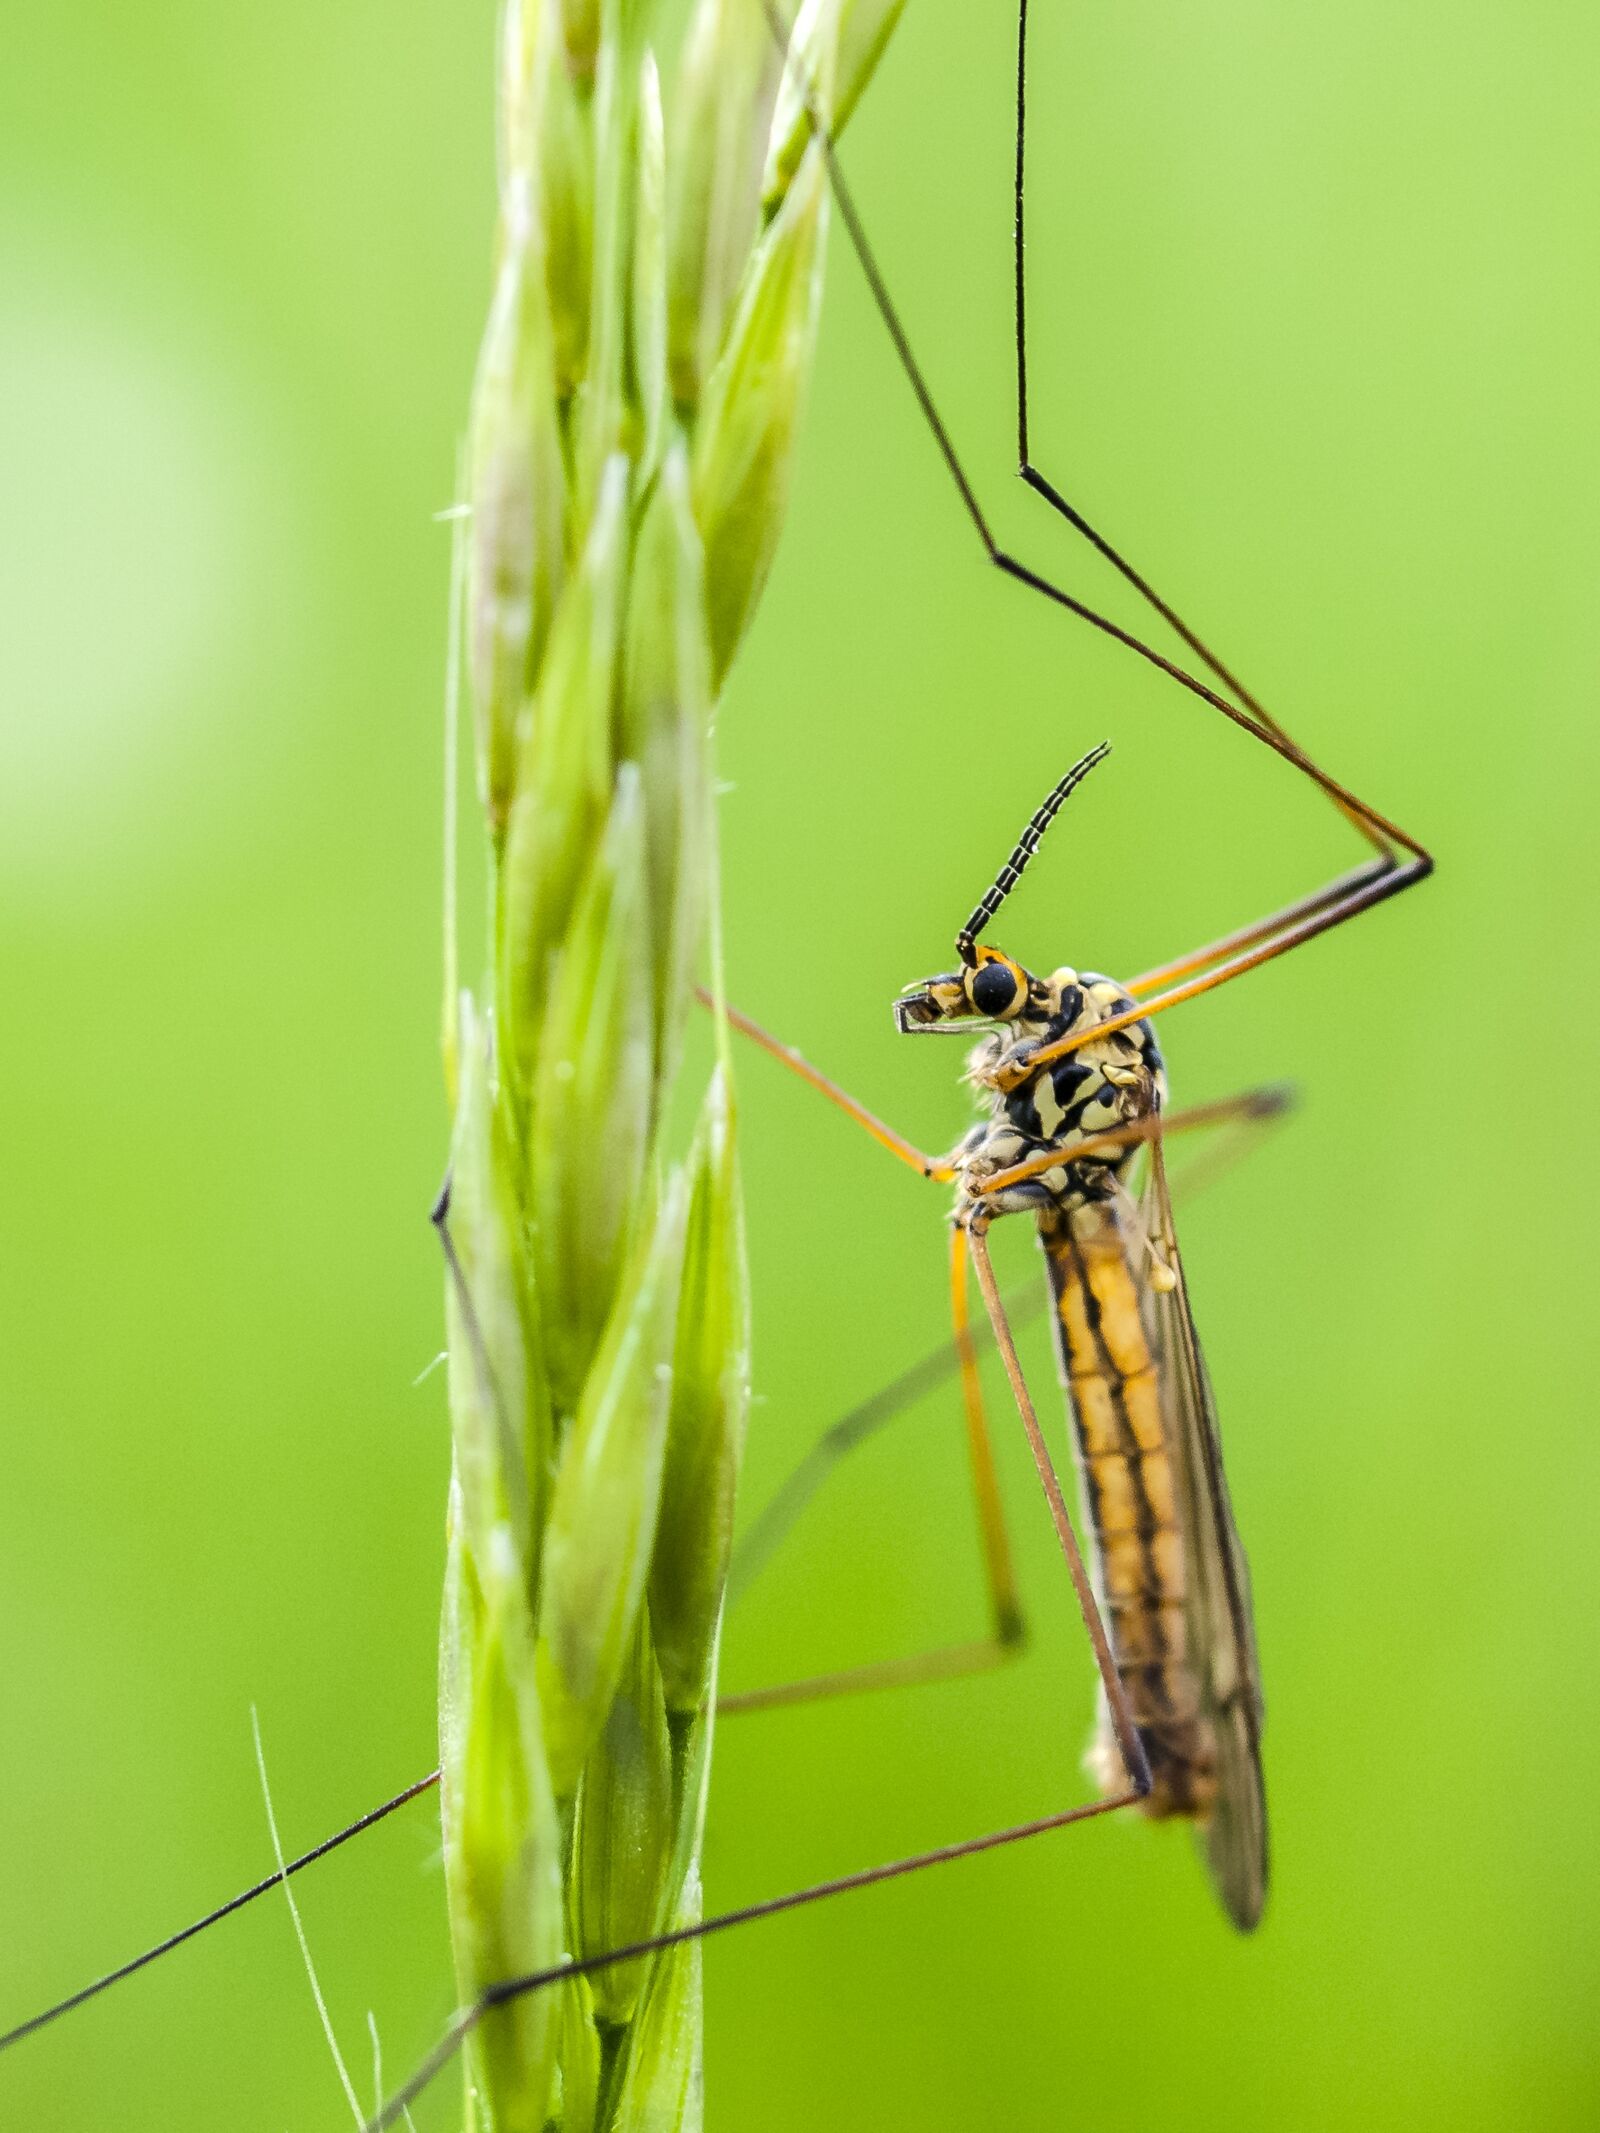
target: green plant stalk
657 283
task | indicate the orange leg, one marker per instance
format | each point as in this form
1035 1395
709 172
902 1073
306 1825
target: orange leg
1129 1745
516 1988
937 1167
1000 1571
1217 951
1007 1629
1252 1104
1273 937
781 1513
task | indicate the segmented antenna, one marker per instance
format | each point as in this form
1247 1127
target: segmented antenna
1026 845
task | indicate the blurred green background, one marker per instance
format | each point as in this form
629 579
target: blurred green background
1316 339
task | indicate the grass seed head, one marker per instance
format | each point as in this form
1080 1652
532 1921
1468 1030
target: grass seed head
633 427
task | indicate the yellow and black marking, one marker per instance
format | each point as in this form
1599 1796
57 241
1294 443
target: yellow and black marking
1132 1493
1166 1566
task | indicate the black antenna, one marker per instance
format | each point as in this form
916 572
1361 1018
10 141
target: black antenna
1026 845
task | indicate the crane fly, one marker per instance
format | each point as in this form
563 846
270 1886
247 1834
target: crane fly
1170 1614
1072 1085
1072 1130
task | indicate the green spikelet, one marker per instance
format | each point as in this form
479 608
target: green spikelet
634 418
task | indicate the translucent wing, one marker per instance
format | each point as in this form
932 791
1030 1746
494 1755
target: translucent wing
1221 1633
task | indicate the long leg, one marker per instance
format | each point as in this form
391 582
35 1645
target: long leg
778 1517
1295 923
1129 1745
936 1167
1246 936
1272 938
516 1988
222 1911
1006 1627
1006 1624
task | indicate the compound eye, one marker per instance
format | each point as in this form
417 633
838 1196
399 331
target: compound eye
994 989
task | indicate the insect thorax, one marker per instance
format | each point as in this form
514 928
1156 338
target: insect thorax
1108 1082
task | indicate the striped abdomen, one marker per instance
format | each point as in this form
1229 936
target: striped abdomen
1131 1495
